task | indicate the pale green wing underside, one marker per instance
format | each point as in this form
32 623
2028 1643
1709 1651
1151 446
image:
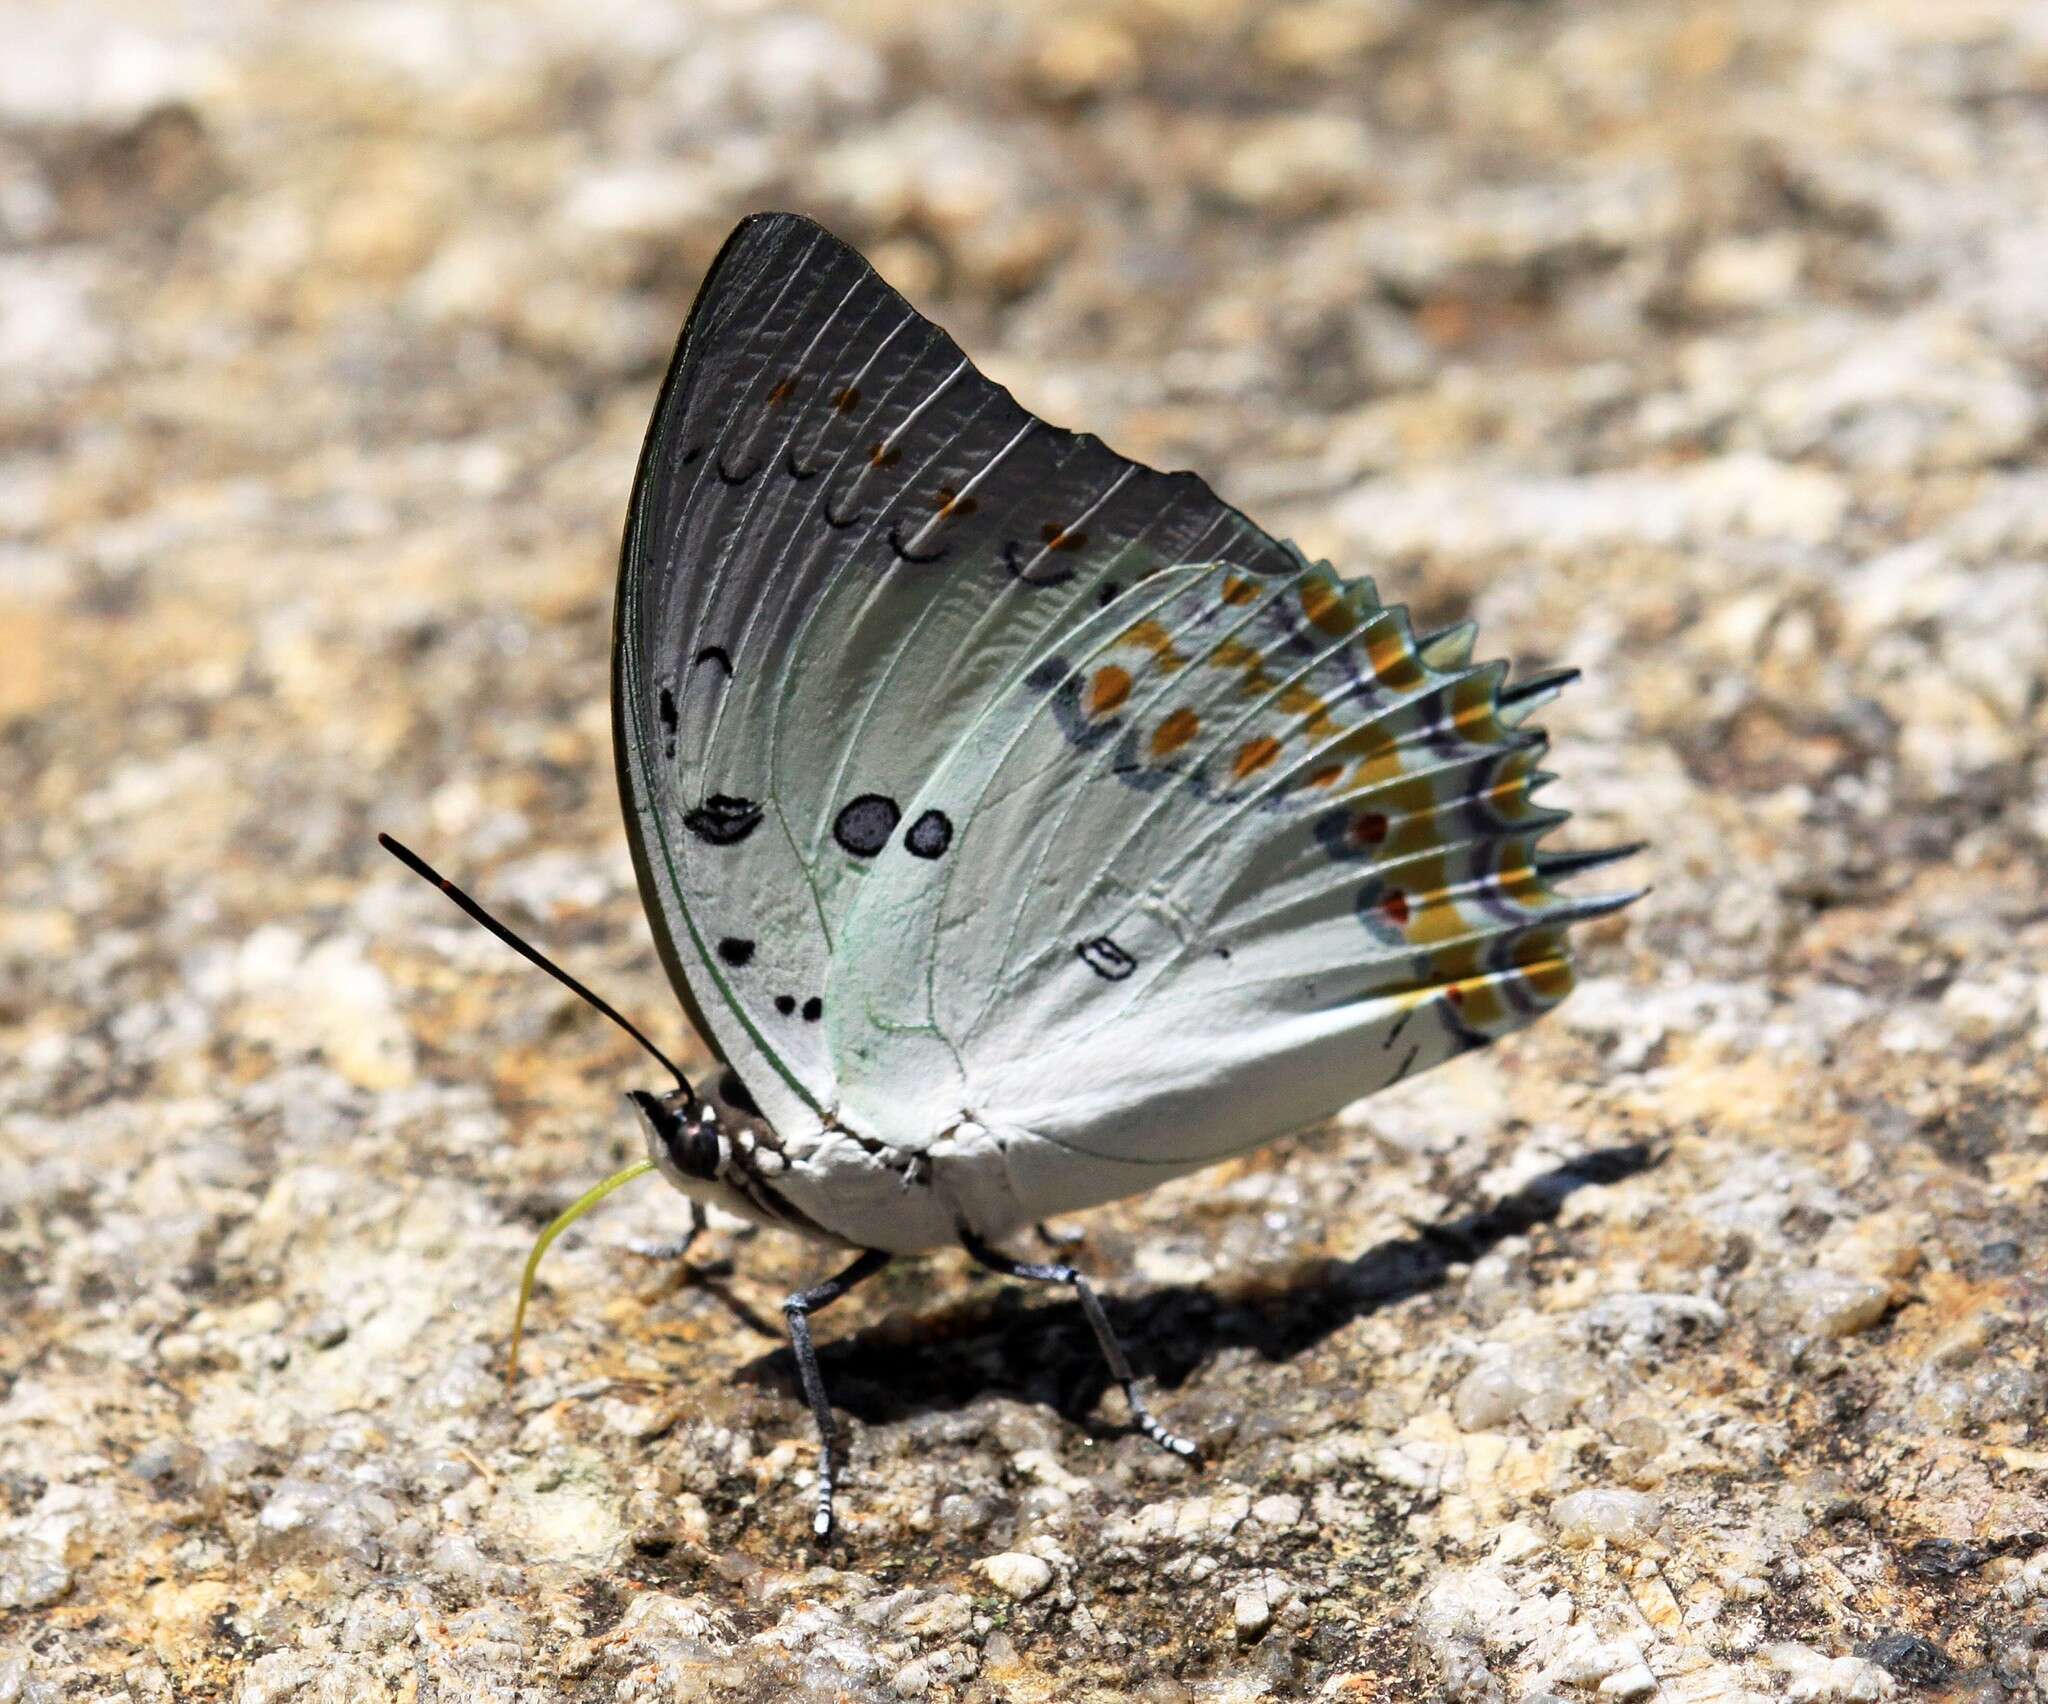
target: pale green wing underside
979 778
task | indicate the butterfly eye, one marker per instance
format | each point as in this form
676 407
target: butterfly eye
685 1132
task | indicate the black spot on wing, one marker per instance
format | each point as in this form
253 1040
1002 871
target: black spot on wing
929 836
1108 960
735 951
785 1004
865 824
814 1009
722 820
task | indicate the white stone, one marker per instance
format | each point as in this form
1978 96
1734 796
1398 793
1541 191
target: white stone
1619 1517
1816 1676
1015 1574
1251 1614
1829 1304
1279 1510
1633 1681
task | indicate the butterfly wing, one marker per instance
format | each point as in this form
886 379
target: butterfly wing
844 544
1236 851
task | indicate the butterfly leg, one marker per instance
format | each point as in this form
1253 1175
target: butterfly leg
797 1310
1112 1351
672 1248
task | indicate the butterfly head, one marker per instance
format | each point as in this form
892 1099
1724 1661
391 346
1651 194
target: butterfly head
683 1135
714 1145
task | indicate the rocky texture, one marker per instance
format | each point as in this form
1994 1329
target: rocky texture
1687 1347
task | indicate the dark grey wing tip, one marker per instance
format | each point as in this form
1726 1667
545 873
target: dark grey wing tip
1563 865
1585 910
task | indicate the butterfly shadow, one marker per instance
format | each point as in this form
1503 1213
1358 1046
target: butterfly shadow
1013 1342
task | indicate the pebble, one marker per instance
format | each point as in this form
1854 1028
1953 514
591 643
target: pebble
1251 1614
1016 1574
1815 1676
1604 1513
30 1577
1815 1303
1283 1509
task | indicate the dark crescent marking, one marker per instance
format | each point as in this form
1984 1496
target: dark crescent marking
904 554
832 520
799 474
714 654
735 478
689 455
1108 960
1017 572
722 820
1407 1062
1400 1023
666 709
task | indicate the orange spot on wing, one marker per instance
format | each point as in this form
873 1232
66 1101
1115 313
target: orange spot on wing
1175 732
1297 700
1550 977
1238 590
1472 712
884 455
1325 607
1253 756
1058 538
1152 636
1369 830
950 502
1107 689
1395 906
1393 661
783 390
848 400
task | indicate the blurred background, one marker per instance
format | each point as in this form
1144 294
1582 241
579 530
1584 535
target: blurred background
1700 343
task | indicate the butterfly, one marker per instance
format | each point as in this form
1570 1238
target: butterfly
1021 826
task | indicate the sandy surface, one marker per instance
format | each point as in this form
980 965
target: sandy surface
1687 1347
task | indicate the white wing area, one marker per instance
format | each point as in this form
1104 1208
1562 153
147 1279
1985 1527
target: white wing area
1021 824
1236 853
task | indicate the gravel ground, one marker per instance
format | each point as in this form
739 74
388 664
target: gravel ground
1686 1347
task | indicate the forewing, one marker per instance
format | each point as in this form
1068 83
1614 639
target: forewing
844 545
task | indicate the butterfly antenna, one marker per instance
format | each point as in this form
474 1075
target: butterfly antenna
476 913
